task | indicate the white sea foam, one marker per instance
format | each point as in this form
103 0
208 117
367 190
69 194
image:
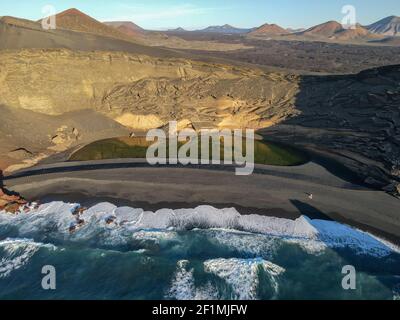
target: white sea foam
259 245
16 253
183 287
154 235
243 275
313 235
127 215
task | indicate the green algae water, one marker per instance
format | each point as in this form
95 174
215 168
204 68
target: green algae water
267 153
201 253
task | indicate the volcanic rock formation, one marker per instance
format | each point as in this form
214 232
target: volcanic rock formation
126 27
328 29
354 118
269 29
9 202
389 26
75 20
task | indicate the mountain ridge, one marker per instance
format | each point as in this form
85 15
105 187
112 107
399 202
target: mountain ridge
75 20
226 28
389 26
326 29
269 29
128 28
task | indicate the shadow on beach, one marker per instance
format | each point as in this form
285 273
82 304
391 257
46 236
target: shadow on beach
310 211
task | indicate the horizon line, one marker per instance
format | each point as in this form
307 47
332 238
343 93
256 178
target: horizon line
200 28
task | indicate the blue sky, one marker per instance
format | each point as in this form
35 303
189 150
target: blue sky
194 14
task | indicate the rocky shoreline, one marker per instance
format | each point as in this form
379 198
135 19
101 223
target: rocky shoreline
10 202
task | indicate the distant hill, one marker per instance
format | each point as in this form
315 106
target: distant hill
389 26
17 22
333 30
126 27
75 20
327 30
268 29
177 30
226 29
18 33
352 34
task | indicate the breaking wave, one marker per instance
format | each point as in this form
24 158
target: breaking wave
117 225
243 275
16 253
183 285
188 254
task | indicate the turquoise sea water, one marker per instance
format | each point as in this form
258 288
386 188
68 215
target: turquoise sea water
202 253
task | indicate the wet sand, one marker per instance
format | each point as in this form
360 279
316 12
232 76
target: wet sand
273 191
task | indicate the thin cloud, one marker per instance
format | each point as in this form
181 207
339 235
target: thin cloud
143 13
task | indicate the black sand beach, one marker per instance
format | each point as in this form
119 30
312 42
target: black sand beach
273 191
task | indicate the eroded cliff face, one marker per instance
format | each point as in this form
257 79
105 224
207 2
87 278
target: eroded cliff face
139 91
354 118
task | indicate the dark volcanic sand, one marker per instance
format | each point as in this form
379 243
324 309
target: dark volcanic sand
281 192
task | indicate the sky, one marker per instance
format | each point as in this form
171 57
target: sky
197 14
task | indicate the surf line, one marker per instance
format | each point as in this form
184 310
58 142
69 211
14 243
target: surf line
202 148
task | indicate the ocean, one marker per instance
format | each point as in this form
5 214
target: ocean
110 252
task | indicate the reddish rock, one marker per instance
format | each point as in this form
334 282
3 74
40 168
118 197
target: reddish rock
11 198
80 222
78 211
11 203
110 220
72 229
13 208
3 204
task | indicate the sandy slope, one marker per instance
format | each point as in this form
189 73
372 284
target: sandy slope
27 137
